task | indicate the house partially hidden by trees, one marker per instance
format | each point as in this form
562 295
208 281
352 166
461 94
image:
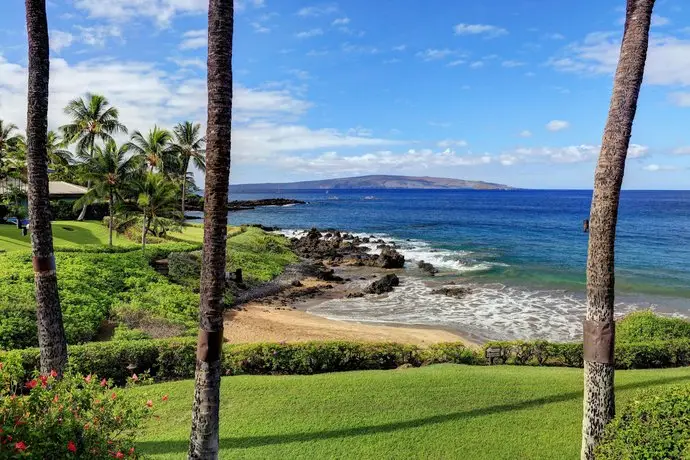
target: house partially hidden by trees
58 190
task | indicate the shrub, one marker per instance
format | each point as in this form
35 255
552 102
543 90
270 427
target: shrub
122 332
643 326
569 354
185 268
80 417
452 352
64 210
653 426
261 256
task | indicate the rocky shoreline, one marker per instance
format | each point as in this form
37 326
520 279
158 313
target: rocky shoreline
245 205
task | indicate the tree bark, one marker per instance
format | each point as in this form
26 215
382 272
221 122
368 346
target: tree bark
184 190
598 375
110 223
82 214
51 332
205 413
144 228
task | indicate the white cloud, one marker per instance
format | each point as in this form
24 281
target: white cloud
569 154
555 36
60 40
511 64
659 168
299 73
668 59
526 133
477 65
380 161
363 49
660 21
439 124
444 144
479 29
391 61
682 151
195 62
341 22
432 54
315 53
680 98
457 62
98 35
400 48
557 125
360 132
260 28
318 10
309 33
162 12
194 39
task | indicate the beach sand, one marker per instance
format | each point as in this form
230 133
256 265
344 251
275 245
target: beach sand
260 323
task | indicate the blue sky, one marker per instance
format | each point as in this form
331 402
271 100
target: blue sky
509 91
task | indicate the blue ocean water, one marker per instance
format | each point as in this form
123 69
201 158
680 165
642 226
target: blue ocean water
523 250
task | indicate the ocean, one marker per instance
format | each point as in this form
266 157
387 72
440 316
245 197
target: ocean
522 252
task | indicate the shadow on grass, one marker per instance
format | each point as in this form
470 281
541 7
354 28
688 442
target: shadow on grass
74 234
163 447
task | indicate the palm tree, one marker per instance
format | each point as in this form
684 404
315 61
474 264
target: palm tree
108 171
599 325
58 155
51 332
93 119
154 149
188 145
205 412
9 142
157 201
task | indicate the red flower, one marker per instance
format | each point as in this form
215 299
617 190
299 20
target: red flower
55 399
71 447
119 455
113 396
1 366
86 427
149 403
53 374
104 382
44 380
87 379
165 398
31 384
131 451
135 378
21 446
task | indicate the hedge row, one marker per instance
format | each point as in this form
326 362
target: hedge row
171 359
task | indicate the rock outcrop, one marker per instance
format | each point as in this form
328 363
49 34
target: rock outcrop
383 285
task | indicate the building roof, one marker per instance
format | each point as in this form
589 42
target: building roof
65 188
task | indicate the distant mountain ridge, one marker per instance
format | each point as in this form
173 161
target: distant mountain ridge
372 182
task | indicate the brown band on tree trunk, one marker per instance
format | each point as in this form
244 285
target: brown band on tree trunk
209 347
43 265
599 337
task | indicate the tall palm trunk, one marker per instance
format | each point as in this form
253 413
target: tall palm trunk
111 206
82 214
184 184
51 332
204 436
599 325
144 229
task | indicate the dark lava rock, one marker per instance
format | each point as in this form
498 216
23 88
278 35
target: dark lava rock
385 284
355 295
296 283
427 267
457 292
390 258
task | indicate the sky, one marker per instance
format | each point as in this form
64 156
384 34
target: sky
507 91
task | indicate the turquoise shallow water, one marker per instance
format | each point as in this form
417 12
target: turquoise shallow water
523 250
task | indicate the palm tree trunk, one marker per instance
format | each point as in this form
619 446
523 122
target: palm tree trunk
110 223
51 332
205 413
599 325
143 233
82 214
184 191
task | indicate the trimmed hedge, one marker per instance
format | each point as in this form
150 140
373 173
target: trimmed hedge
643 326
169 359
653 426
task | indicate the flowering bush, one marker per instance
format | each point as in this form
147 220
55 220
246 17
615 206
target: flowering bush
75 417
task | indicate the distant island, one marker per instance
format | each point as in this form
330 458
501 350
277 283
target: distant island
372 182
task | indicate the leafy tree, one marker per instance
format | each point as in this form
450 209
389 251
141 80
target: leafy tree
153 151
598 395
188 146
108 172
93 119
157 202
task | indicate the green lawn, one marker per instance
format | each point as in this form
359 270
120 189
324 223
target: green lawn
65 234
444 411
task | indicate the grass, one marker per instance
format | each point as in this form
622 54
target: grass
66 234
444 411
262 256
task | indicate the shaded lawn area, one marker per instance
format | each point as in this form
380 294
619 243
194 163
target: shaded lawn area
443 411
65 234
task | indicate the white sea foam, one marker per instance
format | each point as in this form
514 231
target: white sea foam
490 311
